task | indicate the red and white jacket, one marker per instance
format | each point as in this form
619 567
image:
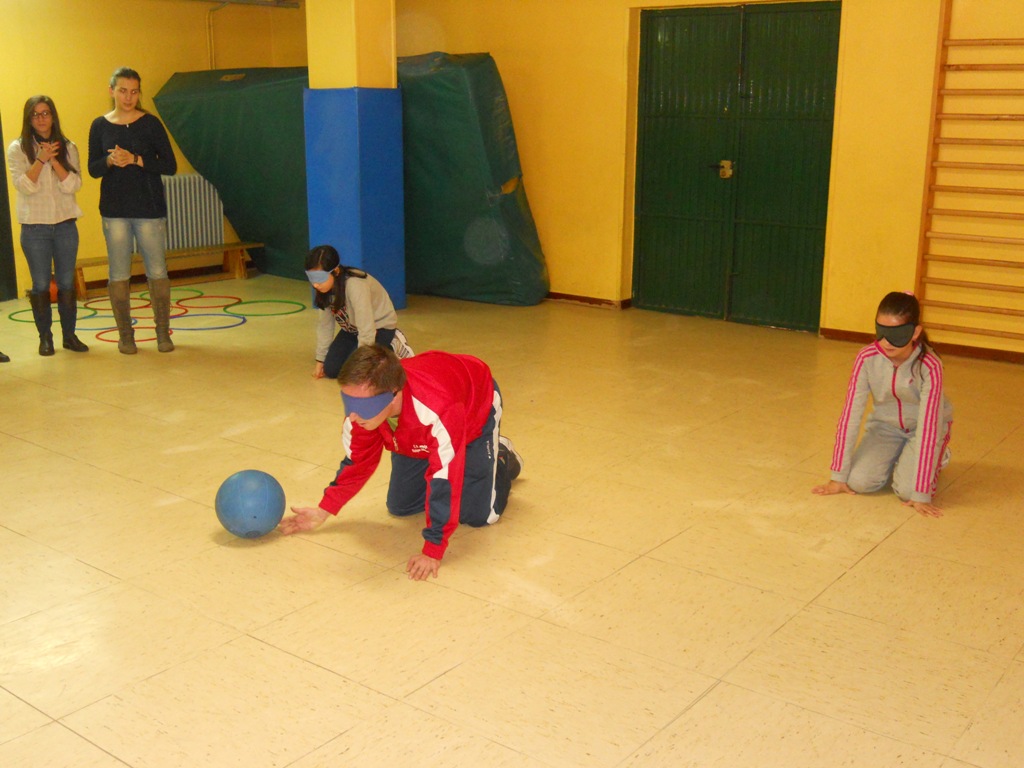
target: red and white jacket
909 397
445 403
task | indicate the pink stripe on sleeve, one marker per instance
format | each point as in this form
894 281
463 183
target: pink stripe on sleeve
926 466
842 430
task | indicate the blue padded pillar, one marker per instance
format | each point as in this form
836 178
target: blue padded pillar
354 179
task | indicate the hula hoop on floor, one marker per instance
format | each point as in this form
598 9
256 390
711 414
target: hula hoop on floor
232 300
107 327
196 291
182 311
101 334
241 321
145 302
233 310
19 311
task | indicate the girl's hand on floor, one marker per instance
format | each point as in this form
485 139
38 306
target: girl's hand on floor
923 508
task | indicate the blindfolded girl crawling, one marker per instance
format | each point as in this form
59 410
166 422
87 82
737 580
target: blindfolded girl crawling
356 311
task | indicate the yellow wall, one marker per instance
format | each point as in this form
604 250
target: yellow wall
879 151
68 48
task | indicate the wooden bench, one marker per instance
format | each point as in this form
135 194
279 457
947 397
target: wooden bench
231 256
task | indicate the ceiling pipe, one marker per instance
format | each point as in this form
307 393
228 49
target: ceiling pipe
211 51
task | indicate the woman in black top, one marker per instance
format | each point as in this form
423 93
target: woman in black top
129 150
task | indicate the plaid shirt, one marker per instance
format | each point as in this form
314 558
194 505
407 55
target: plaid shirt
47 200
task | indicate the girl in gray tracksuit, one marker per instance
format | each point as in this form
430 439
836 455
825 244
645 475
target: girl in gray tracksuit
906 438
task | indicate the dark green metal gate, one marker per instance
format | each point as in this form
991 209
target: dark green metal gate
734 146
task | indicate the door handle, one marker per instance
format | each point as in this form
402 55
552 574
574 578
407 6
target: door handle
725 168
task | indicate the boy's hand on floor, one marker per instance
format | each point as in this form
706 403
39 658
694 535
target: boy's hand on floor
422 566
304 519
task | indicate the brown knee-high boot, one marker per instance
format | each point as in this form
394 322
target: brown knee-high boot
160 297
120 303
43 316
67 308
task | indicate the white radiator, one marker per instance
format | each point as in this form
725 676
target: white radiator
195 214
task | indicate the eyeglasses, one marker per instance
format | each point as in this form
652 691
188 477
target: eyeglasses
41 115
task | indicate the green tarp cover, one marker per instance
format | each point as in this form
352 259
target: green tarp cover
242 129
469 233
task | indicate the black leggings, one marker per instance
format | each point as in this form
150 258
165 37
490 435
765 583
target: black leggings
345 344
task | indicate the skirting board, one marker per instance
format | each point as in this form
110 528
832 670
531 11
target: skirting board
590 301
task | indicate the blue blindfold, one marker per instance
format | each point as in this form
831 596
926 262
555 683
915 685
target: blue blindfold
367 407
317 276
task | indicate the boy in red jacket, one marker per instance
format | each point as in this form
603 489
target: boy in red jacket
439 415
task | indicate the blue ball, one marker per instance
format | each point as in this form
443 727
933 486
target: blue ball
250 503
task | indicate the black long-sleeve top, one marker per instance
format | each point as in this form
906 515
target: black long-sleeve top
132 192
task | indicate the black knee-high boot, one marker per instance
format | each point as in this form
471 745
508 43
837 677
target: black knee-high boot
43 316
67 308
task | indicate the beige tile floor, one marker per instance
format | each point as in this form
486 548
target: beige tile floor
663 591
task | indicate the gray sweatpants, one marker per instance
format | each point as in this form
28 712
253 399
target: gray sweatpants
886 452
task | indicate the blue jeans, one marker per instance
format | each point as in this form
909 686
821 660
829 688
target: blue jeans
122 235
46 244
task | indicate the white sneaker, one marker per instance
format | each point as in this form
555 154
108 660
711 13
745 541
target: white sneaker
516 463
400 345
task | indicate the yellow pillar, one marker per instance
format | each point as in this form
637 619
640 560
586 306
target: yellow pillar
351 43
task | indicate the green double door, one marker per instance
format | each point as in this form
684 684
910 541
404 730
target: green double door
734 146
